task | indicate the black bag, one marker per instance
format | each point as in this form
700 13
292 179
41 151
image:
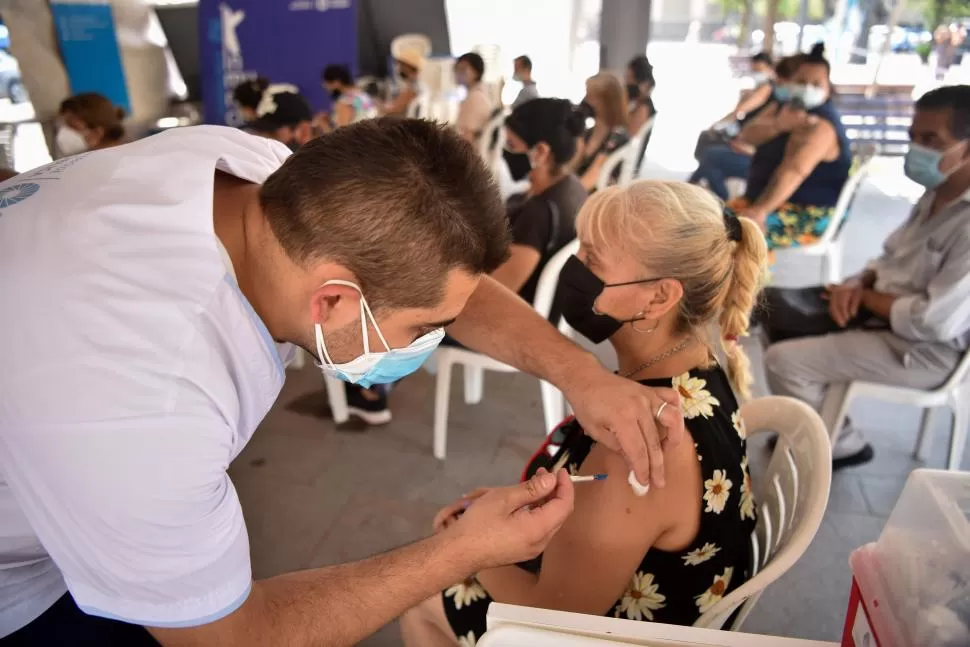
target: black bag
790 313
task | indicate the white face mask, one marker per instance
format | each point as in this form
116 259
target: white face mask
811 96
382 367
70 141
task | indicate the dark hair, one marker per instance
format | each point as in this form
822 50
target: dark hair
249 93
337 74
553 121
816 56
524 61
474 61
957 99
762 57
786 67
97 112
641 69
398 202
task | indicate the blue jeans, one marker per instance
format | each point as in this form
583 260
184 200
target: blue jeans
718 163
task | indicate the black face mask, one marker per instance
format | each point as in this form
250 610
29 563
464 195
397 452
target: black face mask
518 163
633 91
578 289
335 93
292 145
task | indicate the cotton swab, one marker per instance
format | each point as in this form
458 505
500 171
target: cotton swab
585 479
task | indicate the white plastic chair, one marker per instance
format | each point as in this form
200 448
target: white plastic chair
492 140
630 166
791 497
415 42
620 156
953 394
420 107
475 364
829 246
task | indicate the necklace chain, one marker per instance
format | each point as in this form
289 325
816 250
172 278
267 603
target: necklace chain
673 350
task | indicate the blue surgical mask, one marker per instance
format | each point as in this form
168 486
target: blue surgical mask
922 165
381 367
782 93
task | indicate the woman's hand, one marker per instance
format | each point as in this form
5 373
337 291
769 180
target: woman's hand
755 212
451 512
789 118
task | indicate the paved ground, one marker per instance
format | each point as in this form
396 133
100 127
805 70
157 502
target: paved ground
315 496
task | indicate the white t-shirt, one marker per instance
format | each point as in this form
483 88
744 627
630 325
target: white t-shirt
134 371
475 111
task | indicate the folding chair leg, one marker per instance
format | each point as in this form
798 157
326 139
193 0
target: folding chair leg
441 400
923 441
474 384
337 396
553 405
961 419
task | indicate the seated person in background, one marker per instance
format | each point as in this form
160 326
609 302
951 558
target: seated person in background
522 72
89 122
540 140
761 71
606 101
661 266
730 157
408 66
284 116
349 104
639 88
475 111
917 292
247 95
802 159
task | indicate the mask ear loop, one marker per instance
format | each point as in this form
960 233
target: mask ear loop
365 312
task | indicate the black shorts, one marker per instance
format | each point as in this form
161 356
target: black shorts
65 624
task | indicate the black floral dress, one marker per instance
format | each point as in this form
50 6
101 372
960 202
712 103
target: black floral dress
670 587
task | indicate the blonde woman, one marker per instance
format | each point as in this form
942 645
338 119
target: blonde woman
669 278
606 100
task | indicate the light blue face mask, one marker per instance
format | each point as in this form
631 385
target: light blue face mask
376 367
922 165
782 93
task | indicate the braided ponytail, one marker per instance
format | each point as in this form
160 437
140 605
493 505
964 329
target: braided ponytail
747 276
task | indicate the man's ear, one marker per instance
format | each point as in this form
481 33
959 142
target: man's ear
335 304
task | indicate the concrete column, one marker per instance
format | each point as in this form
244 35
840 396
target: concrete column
624 32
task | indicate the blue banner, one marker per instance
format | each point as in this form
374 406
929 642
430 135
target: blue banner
286 41
89 45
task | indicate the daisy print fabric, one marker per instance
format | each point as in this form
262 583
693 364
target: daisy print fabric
669 586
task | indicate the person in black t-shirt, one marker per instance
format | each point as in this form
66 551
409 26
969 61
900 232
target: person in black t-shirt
540 140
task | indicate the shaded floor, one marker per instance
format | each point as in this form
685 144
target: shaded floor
314 496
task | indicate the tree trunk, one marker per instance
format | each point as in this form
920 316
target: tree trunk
745 25
771 17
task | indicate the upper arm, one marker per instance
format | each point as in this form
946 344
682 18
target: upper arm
593 557
343 114
138 514
755 98
514 272
808 146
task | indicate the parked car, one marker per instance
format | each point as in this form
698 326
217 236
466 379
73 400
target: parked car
11 85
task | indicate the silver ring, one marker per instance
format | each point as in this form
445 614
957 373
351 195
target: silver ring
660 411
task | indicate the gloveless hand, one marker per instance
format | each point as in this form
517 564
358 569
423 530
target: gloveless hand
513 524
844 301
451 512
621 414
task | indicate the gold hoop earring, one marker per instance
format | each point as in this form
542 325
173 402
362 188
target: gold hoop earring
633 324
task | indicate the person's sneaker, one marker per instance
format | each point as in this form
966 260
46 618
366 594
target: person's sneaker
368 405
860 457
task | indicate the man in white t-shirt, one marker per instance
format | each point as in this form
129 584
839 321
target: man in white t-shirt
475 111
150 297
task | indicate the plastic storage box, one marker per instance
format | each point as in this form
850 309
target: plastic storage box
911 588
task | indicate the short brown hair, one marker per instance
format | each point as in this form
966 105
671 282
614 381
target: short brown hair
398 202
97 112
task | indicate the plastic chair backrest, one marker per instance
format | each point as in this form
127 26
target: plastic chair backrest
637 148
844 203
420 106
492 139
615 159
960 373
417 42
791 498
549 278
